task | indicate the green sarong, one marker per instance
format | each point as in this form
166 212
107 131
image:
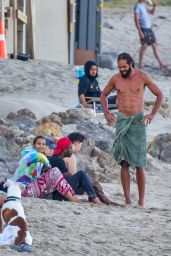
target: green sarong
130 140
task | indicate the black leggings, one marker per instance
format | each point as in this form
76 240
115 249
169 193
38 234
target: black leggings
80 183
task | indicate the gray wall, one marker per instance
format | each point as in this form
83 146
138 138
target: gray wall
51 30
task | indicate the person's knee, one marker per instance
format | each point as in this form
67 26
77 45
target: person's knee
125 164
81 173
139 169
144 46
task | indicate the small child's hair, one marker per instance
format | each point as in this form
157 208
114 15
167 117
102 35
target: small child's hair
38 137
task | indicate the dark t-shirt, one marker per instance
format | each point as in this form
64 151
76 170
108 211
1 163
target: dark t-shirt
56 161
89 88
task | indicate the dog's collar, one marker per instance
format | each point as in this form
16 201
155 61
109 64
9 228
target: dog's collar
12 198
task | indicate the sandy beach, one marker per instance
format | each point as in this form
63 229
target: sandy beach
63 228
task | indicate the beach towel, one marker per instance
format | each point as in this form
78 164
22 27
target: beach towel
130 141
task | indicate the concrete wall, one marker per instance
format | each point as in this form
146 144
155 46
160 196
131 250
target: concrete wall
51 30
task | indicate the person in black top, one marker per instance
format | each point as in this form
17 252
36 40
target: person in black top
79 182
88 86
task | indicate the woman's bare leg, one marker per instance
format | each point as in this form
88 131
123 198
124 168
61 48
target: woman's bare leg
72 198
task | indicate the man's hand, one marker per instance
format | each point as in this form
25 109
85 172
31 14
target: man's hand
110 118
141 34
147 119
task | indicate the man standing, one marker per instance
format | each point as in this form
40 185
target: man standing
129 148
146 34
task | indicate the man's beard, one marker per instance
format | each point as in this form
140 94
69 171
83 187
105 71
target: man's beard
126 74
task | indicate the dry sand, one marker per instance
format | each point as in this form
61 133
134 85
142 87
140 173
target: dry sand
84 229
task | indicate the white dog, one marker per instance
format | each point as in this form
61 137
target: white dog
14 226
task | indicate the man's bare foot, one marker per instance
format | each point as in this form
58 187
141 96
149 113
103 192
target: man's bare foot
141 203
128 202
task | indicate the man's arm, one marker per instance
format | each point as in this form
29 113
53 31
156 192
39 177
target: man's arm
137 24
159 99
152 10
110 117
158 93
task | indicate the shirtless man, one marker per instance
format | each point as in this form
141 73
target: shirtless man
129 148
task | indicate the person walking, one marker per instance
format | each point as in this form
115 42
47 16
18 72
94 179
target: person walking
146 34
129 147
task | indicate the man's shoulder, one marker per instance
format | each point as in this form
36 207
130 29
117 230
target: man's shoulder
116 76
136 7
143 75
139 7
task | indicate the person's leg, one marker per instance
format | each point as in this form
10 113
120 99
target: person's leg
48 182
72 198
141 54
57 196
140 176
81 181
68 196
75 183
125 179
156 54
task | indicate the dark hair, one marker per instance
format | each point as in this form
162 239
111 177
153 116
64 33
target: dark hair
76 136
38 137
127 57
87 67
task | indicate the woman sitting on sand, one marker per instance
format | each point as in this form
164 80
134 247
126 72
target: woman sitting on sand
28 171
